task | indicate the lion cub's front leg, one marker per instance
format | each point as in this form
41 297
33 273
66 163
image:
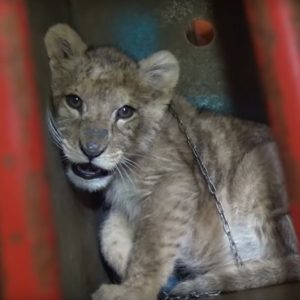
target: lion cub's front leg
116 238
164 221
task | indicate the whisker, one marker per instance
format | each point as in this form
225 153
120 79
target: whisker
129 167
127 175
131 163
53 130
121 176
148 155
64 157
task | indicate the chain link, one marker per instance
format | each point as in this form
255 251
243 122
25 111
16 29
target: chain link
193 295
212 189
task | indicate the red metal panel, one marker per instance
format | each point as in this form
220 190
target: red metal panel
28 263
274 25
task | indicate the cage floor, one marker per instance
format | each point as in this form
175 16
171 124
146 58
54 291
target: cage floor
290 291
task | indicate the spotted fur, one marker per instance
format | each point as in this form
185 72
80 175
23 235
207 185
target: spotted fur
162 218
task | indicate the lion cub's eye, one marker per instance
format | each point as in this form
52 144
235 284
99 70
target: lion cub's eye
125 112
74 101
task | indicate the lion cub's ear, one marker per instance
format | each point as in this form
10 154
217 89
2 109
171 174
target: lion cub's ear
62 42
160 70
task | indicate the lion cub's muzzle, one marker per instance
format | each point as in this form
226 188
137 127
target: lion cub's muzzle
93 142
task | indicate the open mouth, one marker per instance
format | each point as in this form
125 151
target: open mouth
89 171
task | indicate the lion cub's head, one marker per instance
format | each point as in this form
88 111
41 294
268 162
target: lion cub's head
106 107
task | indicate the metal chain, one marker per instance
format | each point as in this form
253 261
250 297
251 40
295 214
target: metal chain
193 295
213 191
211 187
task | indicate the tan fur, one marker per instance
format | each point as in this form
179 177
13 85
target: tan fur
162 216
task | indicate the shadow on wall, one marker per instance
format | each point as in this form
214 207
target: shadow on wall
240 66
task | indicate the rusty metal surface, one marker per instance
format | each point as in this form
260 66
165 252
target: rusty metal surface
29 268
274 25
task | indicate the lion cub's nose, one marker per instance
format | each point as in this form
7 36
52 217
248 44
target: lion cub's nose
91 149
93 142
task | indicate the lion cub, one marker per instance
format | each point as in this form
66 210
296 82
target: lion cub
112 121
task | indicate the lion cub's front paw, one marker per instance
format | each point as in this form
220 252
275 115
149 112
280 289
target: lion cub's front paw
120 292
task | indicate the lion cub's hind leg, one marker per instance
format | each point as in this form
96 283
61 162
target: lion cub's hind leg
252 275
